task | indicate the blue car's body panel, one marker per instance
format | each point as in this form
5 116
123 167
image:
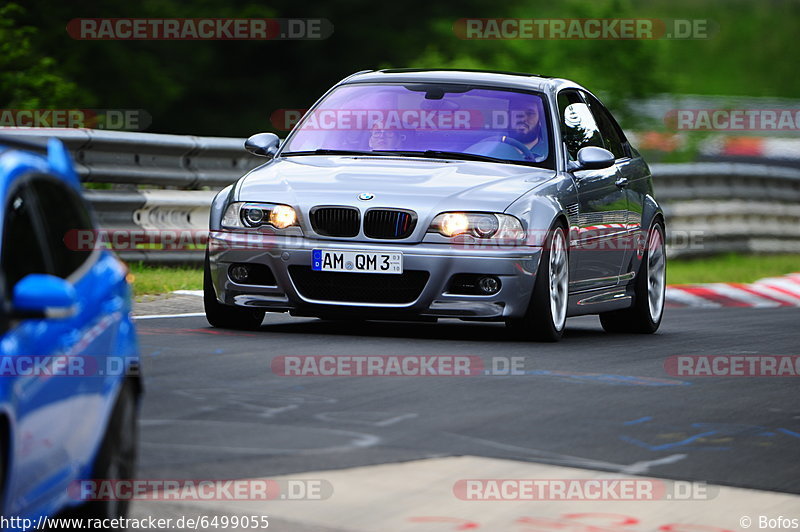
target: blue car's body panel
56 423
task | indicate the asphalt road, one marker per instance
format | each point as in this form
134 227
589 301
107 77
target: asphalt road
214 408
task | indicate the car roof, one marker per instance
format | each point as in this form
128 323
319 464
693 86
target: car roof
519 80
38 154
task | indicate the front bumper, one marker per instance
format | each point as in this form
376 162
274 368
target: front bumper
514 266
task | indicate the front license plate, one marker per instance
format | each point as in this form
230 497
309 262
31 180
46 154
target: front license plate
324 260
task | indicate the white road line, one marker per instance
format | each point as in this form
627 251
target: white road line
396 419
575 461
157 316
357 440
188 292
335 417
637 468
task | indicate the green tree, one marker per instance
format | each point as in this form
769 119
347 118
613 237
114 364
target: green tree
617 70
30 79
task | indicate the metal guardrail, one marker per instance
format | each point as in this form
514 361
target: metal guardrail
710 207
151 159
729 207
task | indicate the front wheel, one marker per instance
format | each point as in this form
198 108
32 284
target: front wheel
226 316
547 312
644 316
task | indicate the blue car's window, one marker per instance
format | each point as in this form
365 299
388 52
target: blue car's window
22 251
64 218
503 124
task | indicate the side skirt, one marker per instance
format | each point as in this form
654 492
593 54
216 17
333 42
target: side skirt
597 301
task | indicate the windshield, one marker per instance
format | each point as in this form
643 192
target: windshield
426 119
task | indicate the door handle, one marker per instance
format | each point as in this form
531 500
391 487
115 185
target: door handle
622 182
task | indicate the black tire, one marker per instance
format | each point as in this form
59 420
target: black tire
538 324
638 319
4 447
116 459
226 316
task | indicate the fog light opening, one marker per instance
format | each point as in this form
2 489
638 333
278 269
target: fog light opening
239 273
489 285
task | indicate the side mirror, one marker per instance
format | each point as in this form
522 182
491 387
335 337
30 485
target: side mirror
263 144
40 296
594 158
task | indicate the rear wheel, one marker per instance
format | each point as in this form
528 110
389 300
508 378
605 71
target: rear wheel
547 312
644 316
226 316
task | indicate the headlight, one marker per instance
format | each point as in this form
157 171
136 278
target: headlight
282 216
252 216
241 215
478 225
453 223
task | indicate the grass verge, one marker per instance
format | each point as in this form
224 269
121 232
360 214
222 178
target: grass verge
731 268
164 279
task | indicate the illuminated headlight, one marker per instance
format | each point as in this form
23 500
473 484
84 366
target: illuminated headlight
478 225
453 223
241 215
282 216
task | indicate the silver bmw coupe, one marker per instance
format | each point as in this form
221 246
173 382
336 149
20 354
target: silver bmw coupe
426 194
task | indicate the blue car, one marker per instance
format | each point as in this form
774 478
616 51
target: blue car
69 379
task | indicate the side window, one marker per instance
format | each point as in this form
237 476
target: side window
64 216
22 251
578 127
609 129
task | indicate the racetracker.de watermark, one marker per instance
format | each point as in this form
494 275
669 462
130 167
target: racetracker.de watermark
582 28
589 238
200 490
112 119
733 119
399 120
395 366
199 29
45 366
605 489
733 366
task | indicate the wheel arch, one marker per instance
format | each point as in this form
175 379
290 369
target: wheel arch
651 211
218 204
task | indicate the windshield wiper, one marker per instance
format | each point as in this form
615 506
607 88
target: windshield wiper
324 151
442 154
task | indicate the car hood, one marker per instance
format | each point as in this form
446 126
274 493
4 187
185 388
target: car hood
427 186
